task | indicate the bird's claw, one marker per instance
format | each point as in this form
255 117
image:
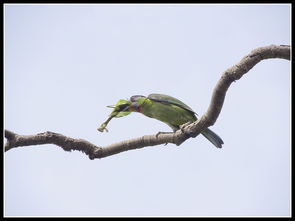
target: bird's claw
183 126
186 132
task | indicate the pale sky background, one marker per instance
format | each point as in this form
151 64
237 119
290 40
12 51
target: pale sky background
65 63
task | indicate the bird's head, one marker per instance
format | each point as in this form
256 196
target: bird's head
136 102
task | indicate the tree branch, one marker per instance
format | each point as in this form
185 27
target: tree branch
192 130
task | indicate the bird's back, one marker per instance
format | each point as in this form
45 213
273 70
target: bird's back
163 98
168 110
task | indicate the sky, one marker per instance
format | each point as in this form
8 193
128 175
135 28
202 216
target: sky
65 63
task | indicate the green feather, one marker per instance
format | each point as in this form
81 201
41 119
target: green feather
169 110
169 100
174 113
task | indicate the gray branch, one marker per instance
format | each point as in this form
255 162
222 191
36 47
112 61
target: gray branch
192 130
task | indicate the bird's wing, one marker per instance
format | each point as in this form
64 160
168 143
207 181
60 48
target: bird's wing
166 99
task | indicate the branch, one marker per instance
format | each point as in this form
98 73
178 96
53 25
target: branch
192 130
231 75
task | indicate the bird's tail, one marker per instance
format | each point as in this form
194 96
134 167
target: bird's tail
212 137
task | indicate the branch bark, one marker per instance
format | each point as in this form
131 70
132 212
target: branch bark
192 130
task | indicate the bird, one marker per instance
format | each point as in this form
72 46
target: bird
164 108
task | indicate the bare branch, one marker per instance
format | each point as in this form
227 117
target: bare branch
68 144
230 75
192 130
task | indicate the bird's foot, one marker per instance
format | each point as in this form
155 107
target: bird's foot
182 128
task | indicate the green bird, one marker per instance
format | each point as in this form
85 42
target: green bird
164 108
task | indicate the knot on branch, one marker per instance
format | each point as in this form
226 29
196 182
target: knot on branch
97 153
